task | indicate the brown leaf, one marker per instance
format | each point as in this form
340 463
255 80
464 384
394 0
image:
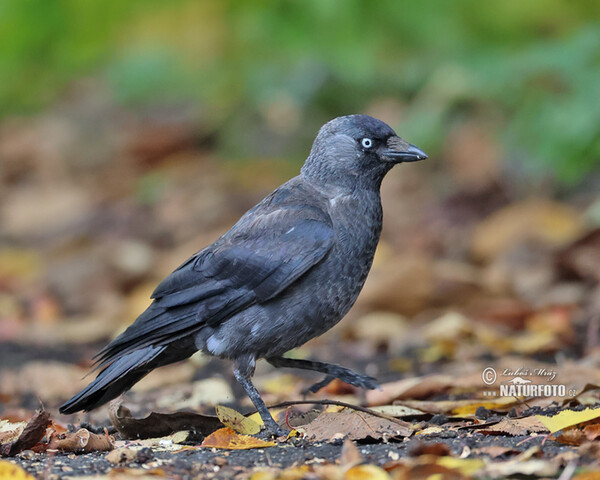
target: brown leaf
355 425
350 456
516 426
413 388
436 449
81 441
582 257
496 450
122 455
159 424
538 221
227 438
592 432
571 436
33 432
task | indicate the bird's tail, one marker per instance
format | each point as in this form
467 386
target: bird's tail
120 375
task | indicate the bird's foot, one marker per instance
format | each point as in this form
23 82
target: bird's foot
272 430
346 376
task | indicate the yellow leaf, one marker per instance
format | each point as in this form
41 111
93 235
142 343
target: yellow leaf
471 408
588 475
257 418
10 471
366 472
568 418
236 421
227 438
264 475
466 466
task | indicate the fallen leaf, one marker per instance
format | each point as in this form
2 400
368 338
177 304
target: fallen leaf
571 436
236 421
592 432
366 472
495 451
350 456
81 441
516 426
588 475
10 431
159 424
229 439
582 257
122 455
469 408
540 221
409 388
539 468
466 466
33 432
355 425
458 407
398 411
10 471
436 449
568 418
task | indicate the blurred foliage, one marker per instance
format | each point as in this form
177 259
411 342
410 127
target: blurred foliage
530 69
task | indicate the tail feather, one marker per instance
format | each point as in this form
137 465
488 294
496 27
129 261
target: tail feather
121 375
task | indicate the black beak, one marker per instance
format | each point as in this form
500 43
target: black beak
400 151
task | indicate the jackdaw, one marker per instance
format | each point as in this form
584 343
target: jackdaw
286 272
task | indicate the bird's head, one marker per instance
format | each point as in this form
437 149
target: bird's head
357 147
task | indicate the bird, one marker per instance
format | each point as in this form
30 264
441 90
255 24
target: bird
286 272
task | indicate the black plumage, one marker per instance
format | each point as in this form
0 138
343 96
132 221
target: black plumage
287 271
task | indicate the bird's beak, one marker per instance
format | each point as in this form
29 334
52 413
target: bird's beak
397 150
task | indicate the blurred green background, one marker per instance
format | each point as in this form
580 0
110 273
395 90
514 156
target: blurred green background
258 78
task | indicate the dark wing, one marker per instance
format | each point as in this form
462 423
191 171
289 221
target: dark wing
261 256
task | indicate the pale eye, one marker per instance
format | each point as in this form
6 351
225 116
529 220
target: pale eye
366 142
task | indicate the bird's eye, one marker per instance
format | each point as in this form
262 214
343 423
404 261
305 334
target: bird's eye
366 142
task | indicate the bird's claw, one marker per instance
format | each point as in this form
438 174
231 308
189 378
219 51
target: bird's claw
273 430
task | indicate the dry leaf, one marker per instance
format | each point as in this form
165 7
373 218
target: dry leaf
10 471
458 407
413 388
81 441
466 466
571 436
435 449
236 421
10 431
122 455
228 438
397 411
582 257
159 424
516 426
568 418
33 432
539 468
592 432
350 456
353 424
496 450
540 221
366 472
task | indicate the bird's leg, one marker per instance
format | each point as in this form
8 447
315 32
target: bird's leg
243 369
332 371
